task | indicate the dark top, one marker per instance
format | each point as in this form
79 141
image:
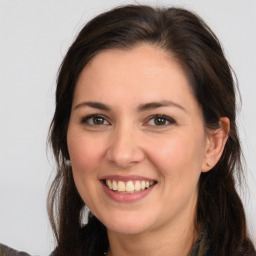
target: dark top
7 251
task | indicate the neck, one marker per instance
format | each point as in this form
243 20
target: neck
169 241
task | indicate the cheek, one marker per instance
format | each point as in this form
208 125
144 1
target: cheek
85 154
178 156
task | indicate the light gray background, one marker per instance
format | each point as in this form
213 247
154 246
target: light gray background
34 37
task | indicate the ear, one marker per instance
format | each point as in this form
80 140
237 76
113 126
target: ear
216 141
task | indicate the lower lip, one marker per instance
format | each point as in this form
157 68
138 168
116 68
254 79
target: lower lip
127 198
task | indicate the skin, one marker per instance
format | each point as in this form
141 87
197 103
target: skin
128 141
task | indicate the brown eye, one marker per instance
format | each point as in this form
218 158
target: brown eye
98 120
160 120
95 120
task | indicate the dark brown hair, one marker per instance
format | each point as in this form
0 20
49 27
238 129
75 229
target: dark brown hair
189 40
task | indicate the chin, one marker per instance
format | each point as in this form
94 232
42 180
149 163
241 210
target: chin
127 229
129 225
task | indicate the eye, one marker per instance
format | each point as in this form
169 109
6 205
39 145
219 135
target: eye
96 120
160 120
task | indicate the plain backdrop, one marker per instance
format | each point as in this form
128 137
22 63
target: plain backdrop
34 37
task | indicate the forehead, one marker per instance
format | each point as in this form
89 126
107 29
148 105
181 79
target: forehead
143 73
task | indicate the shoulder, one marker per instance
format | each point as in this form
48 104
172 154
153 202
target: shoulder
204 246
7 251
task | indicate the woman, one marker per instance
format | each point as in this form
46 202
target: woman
144 135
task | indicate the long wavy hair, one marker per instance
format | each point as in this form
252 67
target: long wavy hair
191 41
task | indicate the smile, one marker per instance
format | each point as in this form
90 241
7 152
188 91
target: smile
128 187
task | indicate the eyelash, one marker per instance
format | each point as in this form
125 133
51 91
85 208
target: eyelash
87 118
163 117
169 120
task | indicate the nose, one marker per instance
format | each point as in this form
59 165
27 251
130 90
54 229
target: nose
124 150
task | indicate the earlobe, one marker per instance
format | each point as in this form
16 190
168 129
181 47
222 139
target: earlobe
216 143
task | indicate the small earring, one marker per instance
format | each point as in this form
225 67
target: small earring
68 162
208 164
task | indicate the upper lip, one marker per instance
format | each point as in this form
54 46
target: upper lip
125 178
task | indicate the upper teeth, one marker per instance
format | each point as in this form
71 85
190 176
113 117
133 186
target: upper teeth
129 186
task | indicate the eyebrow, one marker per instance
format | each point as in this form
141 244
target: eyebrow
154 105
140 108
93 104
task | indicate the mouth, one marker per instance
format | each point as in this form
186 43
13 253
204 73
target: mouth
128 187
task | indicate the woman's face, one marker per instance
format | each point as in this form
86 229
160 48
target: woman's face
136 139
